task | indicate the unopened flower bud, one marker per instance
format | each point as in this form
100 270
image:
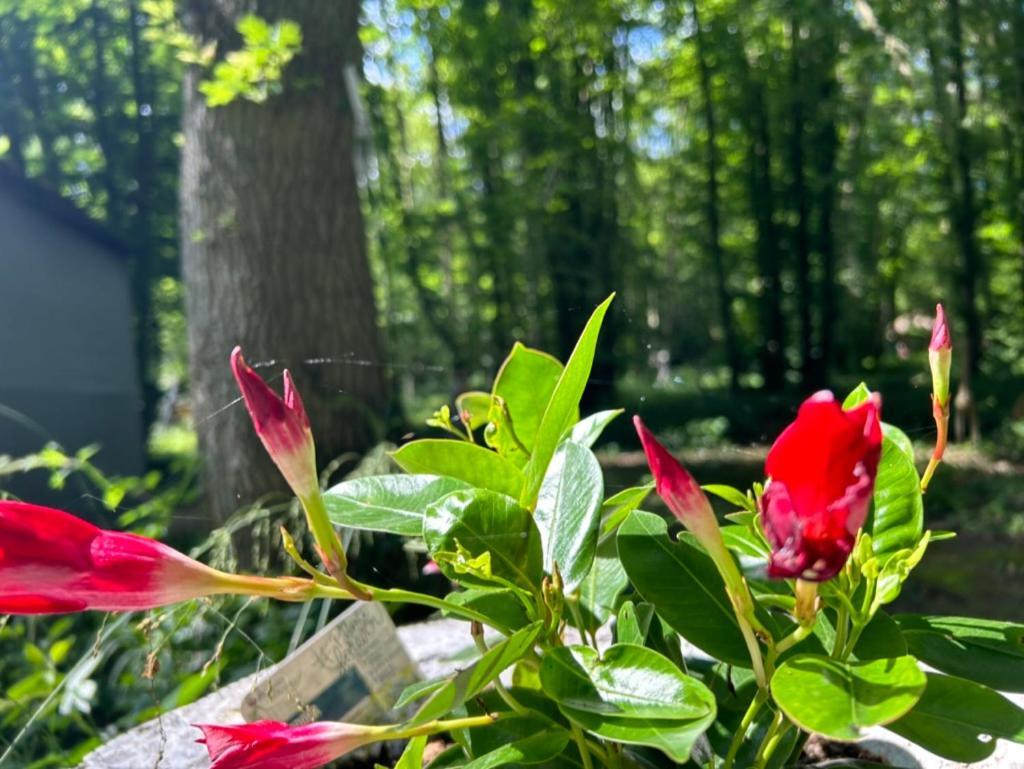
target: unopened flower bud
940 355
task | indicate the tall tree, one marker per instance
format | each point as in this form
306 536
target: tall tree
274 250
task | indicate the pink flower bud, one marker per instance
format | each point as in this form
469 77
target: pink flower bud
282 425
940 357
52 562
276 745
680 491
822 470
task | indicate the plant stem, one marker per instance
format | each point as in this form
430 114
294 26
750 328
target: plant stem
581 744
741 731
770 741
433 727
842 629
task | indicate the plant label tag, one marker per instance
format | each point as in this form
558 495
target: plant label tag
353 670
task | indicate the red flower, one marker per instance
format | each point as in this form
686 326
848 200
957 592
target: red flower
276 745
940 331
822 471
52 562
282 425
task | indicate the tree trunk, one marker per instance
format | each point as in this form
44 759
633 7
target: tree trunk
143 237
714 219
762 202
966 215
799 196
826 144
274 253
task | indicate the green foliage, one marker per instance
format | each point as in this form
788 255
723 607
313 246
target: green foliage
840 700
254 71
533 565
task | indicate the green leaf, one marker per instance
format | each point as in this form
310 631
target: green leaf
960 719
627 681
525 382
534 749
418 691
473 408
987 651
465 461
603 585
732 495
391 503
841 699
632 694
618 506
412 756
627 625
857 396
501 606
588 430
673 737
568 512
564 404
469 681
478 522
684 586
898 519
880 639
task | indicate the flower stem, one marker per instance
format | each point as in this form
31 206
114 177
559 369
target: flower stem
581 744
842 630
770 741
741 731
433 727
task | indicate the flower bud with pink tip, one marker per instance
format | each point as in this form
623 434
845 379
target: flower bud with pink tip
680 491
940 355
281 424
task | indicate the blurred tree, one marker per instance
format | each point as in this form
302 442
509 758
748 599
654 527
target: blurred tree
274 251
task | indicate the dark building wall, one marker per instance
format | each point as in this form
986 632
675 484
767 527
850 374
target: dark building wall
67 369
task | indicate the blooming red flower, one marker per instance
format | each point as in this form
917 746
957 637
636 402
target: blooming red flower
822 469
282 425
276 745
52 562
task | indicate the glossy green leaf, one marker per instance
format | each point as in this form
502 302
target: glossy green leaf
481 523
525 382
841 699
412 756
960 719
857 396
473 408
673 737
628 629
618 506
684 586
418 691
987 651
564 404
533 749
731 495
465 461
898 518
503 607
391 503
470 680
627 681
589 429
568 512
604 583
